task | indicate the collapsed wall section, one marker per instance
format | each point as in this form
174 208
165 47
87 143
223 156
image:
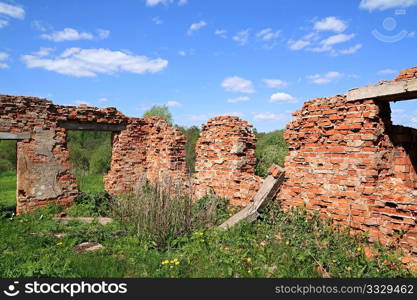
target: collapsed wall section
150 148
226 160
349 163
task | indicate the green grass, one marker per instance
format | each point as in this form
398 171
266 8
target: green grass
90 183
283 244
8 189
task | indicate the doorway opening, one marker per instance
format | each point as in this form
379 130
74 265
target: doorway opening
7 177
90 157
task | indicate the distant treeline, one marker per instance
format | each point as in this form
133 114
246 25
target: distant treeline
90 151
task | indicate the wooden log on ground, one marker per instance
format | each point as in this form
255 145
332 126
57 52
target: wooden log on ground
267 191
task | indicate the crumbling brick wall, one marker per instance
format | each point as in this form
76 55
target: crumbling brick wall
349 163
43 166
226 160
150 148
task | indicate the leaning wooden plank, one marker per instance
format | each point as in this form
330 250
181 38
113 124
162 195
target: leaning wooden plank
267 191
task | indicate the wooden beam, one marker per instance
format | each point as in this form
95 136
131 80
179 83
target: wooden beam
91 126
14 135
267 191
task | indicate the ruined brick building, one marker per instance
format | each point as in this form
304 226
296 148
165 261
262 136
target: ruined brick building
347 160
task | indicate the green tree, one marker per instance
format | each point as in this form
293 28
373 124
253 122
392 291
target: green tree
160 111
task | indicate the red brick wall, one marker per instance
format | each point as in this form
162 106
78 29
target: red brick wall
349 163
43 169
149 148
226 160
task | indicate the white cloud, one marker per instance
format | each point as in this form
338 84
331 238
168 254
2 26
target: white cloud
268 34
275 83
173 104
103 100
44 51
3 23
325 78
268 116
330 24
242 37
90 62
238 84
385 4
39 25
282 98
156 2
238 99
157 20
81 102
70 34
350 50
221 33
387 72
13 11
232 113
196 26
298 45
337 39
165 2
103 34
186 52
3 56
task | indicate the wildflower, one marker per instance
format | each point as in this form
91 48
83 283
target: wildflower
287 243
349 268
59 243
164 262
249 260
358 249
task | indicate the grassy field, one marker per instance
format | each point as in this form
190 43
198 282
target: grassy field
88 184
8 189
280 244
291 244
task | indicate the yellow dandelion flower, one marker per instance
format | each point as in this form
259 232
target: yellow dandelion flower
177 262
59 243
287 243
249 259
349 268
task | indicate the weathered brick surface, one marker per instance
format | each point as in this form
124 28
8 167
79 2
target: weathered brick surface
226 160
406 74
148 147
349 163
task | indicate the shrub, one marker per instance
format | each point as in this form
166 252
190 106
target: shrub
92 204
192 134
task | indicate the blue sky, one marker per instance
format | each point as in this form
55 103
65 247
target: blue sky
259 60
